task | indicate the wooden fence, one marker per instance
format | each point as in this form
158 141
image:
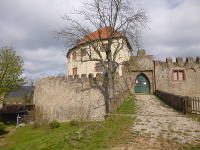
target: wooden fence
192 105
184 104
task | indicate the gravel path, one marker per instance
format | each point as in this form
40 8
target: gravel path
160 121
159 127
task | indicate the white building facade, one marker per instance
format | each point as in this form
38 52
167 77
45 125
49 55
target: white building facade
80 64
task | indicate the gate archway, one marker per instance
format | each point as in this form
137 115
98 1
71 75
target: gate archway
142 84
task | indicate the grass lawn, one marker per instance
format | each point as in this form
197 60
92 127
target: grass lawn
128 107
194 116
11 100
74 135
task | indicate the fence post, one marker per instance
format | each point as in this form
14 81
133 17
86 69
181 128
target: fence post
17 125
185 105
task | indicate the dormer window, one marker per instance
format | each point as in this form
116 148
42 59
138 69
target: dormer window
178 75
74 55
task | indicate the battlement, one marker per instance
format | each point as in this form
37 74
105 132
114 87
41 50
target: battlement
180 61
56 80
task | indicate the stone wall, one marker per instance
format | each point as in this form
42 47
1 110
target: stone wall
140 64
64 99
160 74
190 86
175 101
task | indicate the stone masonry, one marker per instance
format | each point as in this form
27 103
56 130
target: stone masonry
64 99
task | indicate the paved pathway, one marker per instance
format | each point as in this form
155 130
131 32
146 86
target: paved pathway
156 123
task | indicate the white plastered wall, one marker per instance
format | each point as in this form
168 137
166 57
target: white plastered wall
88 67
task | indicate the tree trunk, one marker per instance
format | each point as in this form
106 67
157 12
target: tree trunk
110 86
109 90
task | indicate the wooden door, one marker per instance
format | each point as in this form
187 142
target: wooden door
142 84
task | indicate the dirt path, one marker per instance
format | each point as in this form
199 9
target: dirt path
160 127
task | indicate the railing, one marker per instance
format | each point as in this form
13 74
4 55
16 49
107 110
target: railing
184 104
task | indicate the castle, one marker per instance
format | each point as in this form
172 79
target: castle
147 75
78 57
74 98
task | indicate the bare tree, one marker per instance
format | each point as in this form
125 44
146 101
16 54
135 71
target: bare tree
28 96
120 18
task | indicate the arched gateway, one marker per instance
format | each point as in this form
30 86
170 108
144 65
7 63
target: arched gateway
142 84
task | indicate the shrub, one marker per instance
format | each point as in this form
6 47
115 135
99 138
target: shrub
54 124
2 127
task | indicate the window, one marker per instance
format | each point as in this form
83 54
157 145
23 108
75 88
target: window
99 67
178 75
83 52
103 47
74 55
74 70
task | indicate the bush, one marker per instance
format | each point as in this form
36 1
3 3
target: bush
2 127
54 124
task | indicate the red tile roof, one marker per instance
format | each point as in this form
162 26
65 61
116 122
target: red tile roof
103 33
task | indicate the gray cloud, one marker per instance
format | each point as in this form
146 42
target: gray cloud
173 32
28 26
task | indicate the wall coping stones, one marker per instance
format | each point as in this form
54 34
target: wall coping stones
179 61
189 60
198 59
169 60
141 52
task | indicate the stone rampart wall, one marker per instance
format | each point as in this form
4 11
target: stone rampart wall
65 99
190 86
73 98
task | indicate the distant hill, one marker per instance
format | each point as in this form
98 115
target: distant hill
21 92
23 95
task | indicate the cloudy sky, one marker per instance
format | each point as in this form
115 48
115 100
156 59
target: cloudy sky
29 25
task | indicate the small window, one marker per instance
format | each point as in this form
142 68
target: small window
178 75
83 52
99 67
74 55
103 47
74 70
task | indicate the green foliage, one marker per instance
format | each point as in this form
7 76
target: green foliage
194 117
11 69
2 127
128 107
86 136
54 124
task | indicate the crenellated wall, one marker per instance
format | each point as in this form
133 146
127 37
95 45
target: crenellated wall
78 98
160 74
190 86
64 99
74 98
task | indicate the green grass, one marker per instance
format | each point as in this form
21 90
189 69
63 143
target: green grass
14 100
128 107
194 117
72 136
